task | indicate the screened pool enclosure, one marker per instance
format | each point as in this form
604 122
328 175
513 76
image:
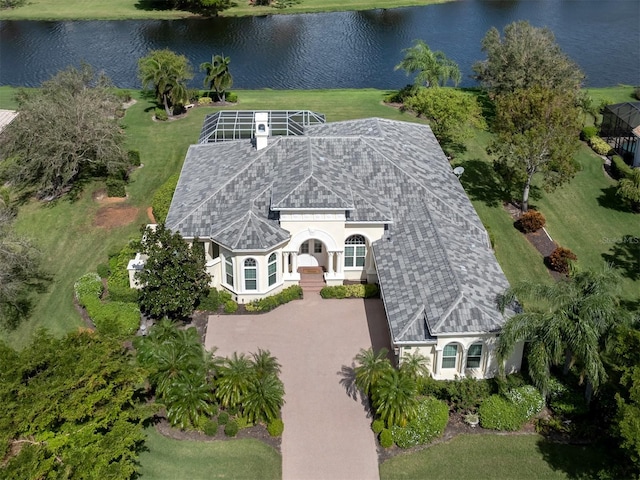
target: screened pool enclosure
620 128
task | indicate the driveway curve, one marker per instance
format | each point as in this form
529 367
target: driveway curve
327 432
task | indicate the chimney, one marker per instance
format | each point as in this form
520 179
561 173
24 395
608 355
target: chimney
262 129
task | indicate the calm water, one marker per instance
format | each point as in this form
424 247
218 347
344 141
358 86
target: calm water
334 50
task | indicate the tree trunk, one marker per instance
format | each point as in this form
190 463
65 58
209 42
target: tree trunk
588 391
166 104
567 361
525 194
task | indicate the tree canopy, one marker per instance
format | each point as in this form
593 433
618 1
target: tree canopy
525 57
433 68
20 272
167 73
218 77
173 279
536 132
72 408
66 131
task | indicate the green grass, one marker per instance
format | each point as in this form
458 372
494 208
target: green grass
193 460
133 9
496 457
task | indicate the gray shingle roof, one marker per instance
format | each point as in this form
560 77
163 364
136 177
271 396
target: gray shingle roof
437 272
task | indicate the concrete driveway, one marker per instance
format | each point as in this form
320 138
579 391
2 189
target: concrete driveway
327 432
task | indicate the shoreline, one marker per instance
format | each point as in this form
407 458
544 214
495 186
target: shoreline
76 10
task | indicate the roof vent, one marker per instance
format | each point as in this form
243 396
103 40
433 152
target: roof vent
262 129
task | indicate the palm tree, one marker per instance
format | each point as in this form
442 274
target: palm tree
433 68
571 319
265 364
218 77
415 365
168 73
372 366
394 397
236 375
264 399
189 402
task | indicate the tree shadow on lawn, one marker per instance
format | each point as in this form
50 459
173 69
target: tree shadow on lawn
482 184
625 255
577 462
610 199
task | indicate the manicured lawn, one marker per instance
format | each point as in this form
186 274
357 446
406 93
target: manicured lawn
496 457
192 460
141 9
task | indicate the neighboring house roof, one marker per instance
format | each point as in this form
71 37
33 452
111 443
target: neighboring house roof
436 269
6 117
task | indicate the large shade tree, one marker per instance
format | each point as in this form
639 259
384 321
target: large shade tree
565 322
536 133
167 73
523 58
67 131
432 68
173 279
218 77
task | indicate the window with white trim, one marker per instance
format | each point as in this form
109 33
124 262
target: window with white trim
449 355
355 251
317 247
272 268
304 248
228 266
250 274
474 355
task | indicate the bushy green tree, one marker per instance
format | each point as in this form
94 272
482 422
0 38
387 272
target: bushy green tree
629 189
235 377
173 278
218 77
453 115
71 408
66 131
524 58
432 69
167 73
536 133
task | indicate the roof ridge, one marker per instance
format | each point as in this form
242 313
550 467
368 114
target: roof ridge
418 314
331 189
227 182
375 207
448 311
228 226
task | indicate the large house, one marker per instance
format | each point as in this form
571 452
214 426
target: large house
369 200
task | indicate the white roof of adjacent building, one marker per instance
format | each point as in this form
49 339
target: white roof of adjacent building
6 117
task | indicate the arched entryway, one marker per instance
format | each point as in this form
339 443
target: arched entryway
312 253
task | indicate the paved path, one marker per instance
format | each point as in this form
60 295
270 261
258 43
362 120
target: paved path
327 433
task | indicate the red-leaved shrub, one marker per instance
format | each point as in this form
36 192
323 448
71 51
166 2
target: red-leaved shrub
561 258
531 221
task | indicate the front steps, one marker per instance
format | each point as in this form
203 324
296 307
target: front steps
311 279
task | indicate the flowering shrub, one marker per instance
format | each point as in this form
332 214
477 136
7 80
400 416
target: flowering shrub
528 399
428 424
87 287
498 413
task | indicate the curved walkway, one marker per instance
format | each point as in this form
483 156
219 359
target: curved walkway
327 432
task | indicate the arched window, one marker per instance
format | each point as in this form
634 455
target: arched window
355 251
228 267
250 274
474 355
304 248
272 267
449 356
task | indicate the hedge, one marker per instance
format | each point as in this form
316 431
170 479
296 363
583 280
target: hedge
266 304
366 290
118 281
386 438
116 187
162 198
498 413
588 133
134 158
87 287
215 298
432 416
599 146
619 168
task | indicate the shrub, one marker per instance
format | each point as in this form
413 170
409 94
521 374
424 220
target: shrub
232 97
401 95
244 422
350 291
276 427
230 306
119 293
194 95
119 276
467 393
498 413
619 168
87 287
231 428
561 259
386 438
123 95
636 93
103 270
599 146
134 158
114 318
162 198
223 418
588 133
233 410
266 304
564 400
528 399
204 101
211 428
161 115
531 221
428 424
212 302
377 426
115 187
